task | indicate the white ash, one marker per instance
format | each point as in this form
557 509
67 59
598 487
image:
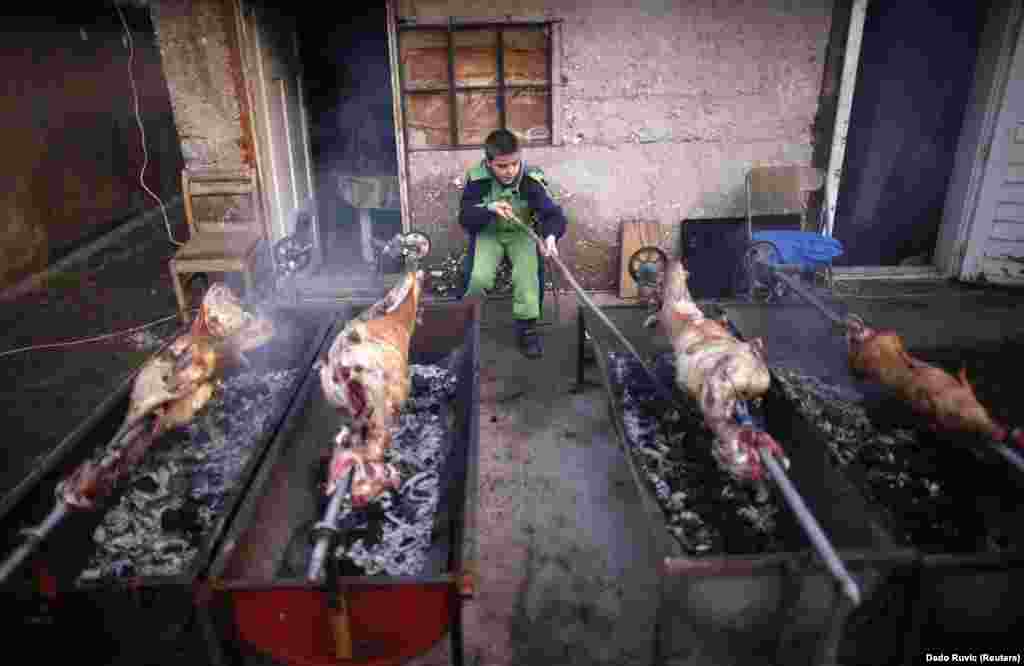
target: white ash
706 511
174 497
421 438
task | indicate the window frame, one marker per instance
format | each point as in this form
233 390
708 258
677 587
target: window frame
500 90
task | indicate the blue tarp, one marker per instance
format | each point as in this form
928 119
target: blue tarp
802 247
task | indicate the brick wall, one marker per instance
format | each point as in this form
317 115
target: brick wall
663 107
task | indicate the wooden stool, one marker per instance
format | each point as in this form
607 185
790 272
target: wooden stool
224 239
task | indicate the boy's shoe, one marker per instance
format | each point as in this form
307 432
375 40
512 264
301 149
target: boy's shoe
529 338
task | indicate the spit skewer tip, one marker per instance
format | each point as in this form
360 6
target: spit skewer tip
327 529
1010 455
810 525
34 537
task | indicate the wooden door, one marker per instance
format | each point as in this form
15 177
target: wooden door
994 250
270 47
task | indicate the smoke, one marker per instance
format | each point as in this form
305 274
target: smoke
351 122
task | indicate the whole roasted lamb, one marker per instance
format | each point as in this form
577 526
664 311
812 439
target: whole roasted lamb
366 378
171 389
717 371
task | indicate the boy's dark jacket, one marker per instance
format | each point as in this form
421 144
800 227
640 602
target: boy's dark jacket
530 183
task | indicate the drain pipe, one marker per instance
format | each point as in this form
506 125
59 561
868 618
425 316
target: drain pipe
851 59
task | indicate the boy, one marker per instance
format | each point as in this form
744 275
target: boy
500 187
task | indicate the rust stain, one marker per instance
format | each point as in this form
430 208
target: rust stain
246 143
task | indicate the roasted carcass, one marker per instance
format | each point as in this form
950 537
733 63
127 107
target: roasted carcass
171 388
717 370
366 377
946 403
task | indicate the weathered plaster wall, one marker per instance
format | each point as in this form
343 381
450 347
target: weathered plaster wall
73 151
202 63
664 106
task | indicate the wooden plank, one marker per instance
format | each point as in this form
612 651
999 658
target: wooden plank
635 235
221 188
1004 230
1011 193
1015 173
853 273
1004 248
1007 211
1003 271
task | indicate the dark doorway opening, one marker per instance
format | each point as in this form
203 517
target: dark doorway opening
913 82
347 72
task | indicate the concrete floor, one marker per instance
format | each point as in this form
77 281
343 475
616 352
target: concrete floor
566 559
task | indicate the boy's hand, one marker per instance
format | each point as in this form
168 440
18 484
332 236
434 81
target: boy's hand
501 209
549 249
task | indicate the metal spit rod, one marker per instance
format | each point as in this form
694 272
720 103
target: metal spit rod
812 528
34 537
659 387
327 529
804 517
1008 454
803 514
794 284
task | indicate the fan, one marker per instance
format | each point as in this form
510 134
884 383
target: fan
647 265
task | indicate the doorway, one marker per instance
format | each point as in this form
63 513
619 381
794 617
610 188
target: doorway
913 84
346 66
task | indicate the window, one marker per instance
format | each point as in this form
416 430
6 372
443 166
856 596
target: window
460 82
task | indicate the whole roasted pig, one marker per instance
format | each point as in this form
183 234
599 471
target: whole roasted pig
366 378
716 370
946 403
170 389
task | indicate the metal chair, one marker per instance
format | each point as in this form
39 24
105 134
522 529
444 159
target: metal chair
783 190
225 227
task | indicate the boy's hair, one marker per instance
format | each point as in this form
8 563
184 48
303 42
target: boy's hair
500 142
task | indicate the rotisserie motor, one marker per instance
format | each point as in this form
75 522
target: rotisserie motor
366 377
946 403
716 370
170 389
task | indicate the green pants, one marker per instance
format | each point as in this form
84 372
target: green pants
491 244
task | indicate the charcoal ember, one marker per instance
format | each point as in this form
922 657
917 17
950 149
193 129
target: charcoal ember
147 485
392 535
706 511
428 384
915 477
184 519
445 276
173 498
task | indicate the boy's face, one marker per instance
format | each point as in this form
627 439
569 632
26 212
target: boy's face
506 167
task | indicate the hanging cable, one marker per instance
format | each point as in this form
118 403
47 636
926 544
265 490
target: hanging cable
97 338
138 120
